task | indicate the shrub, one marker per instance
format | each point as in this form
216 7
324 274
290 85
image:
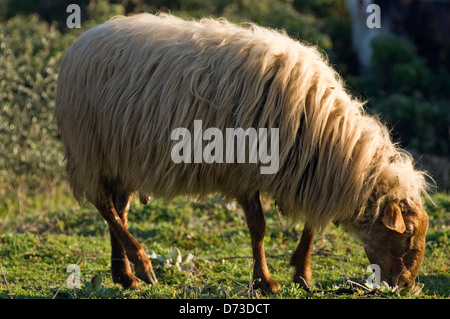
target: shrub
30 52
30 154
281 15
408 95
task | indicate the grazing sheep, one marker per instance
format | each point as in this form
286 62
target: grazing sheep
125 86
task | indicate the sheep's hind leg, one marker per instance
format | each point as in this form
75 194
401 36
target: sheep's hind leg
120 267
257 225
301 259
134 251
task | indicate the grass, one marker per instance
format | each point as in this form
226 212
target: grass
203 248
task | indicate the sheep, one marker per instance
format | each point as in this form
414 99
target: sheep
126 88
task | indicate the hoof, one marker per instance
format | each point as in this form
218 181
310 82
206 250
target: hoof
144 199
128 281
268 286
303 283
148 276
303 277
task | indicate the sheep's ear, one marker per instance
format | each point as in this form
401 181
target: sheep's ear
392 217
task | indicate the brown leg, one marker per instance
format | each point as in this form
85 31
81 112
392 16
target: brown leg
301 259
120 267
256 223
135 253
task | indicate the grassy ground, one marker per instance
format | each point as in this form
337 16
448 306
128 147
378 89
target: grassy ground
199 249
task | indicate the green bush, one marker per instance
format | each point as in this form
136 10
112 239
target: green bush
281 15
420 124
30 52
407 94
30 154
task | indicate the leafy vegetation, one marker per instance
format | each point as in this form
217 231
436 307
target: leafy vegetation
408 94
28 73
198 249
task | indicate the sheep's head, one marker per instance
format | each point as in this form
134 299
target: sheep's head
396 242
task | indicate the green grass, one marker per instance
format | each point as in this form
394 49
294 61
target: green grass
43 235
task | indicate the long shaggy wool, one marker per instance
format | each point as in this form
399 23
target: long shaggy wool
126 84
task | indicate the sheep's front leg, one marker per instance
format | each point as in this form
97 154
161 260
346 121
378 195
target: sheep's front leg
301 259
135 253
257 225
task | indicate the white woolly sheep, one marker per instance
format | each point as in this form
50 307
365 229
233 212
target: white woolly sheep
126 85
